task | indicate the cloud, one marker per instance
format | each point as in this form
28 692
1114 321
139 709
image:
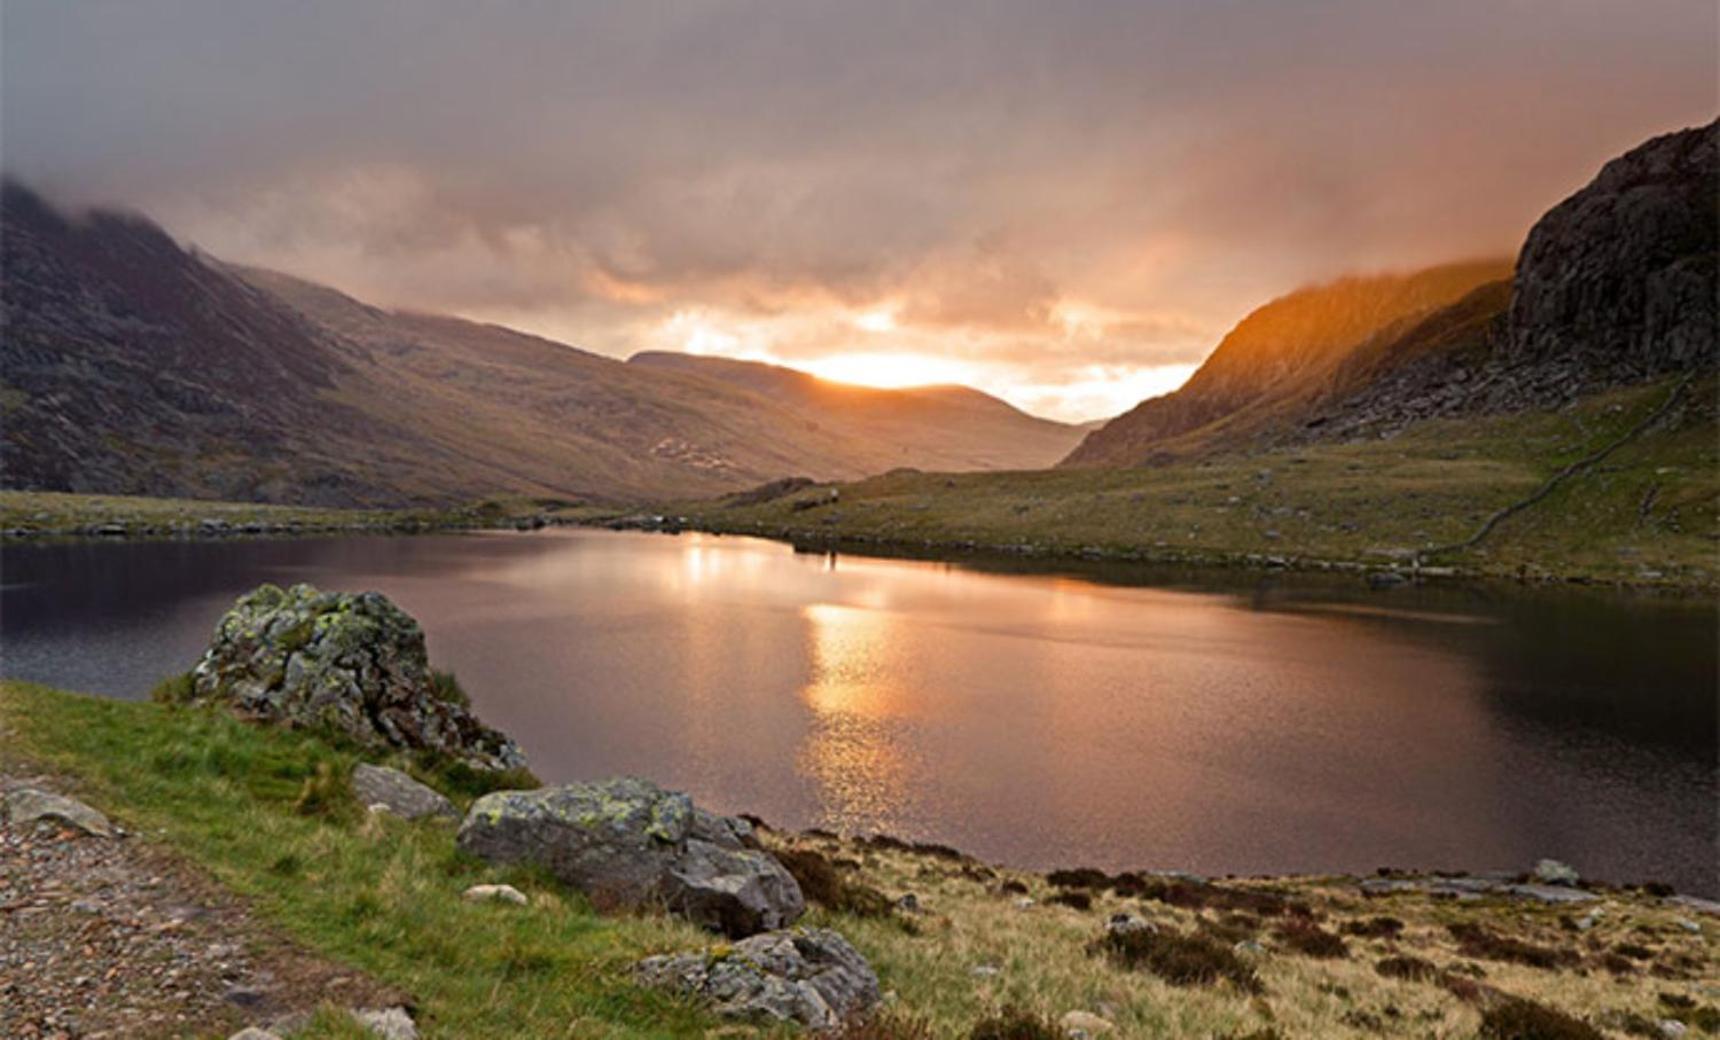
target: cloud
1038 188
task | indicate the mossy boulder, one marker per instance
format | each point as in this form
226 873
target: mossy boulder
627 842
349 664
810 976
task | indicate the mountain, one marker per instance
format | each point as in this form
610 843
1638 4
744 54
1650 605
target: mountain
946 427
131 365
1614 285
1280 360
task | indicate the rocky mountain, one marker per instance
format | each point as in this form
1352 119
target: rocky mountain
1614 285
946 427
131 365
1279 361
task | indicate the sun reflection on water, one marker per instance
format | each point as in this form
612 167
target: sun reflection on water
853 751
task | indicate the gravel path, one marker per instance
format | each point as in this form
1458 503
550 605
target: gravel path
112 937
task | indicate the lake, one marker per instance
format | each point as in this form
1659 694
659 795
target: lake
1107 716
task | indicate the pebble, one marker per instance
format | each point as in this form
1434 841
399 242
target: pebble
1084 1025
495 894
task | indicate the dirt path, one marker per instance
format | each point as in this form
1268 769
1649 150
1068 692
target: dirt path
113 937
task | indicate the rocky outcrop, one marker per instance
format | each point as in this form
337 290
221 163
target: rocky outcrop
395 792
350 664
810 976
627 842
1620 278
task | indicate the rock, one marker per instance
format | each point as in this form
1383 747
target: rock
810 976
27 805
494 894
388 1023
254 1033
1672 1029
354 664
985 971
1552 872
1701 906
909 903
398 793
1620 277
1688 925
1024 903
627 842
1084 1025
1249 948
1123 924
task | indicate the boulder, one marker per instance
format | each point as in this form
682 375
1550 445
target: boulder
351 663
398 793
809 976
27 805
627 842
1552 872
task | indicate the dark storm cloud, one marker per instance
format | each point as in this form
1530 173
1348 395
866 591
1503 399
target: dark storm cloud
988 172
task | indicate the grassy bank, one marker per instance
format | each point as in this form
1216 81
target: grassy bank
28 515
1645 514
1317 958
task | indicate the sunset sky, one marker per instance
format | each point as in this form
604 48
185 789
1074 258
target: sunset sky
1064 204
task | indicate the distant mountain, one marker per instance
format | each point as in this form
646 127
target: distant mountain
945 427
1278 361
1614 285
131 365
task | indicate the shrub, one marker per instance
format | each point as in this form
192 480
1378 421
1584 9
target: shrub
446 688
1374 928
1014 1023
821 884
1474 940
454 777
324 793
1182 960
1310 940
1414 969
1075 900
175 689
882 1026
1080 877
1517 1019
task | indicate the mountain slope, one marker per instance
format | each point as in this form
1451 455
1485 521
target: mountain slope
131 365
1614 285
1278 361
947 427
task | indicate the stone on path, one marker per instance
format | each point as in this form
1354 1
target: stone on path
27 805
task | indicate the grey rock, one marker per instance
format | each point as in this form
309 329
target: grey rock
1552 872
27 805
1124 923
809 976
494 894
388 1023
353 664
1084 1025
627 842
398 793
1672 1028
254 1033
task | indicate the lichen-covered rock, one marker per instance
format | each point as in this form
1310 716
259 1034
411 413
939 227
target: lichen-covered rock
352 664
811 976
627 842
398 793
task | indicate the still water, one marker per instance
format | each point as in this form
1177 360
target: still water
1107 716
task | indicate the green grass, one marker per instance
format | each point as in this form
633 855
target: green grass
49 514
262 811
1646 515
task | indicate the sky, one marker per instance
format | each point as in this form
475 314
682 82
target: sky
1066 204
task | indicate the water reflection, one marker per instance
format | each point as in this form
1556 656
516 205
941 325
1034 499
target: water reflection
1113 716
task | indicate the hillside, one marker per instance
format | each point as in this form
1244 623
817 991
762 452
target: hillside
946 427
1614 285
1278 362
134 366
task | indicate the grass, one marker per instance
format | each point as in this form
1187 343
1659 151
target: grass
266 813
52 514
1646 515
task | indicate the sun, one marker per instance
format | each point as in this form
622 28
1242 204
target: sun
889 369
